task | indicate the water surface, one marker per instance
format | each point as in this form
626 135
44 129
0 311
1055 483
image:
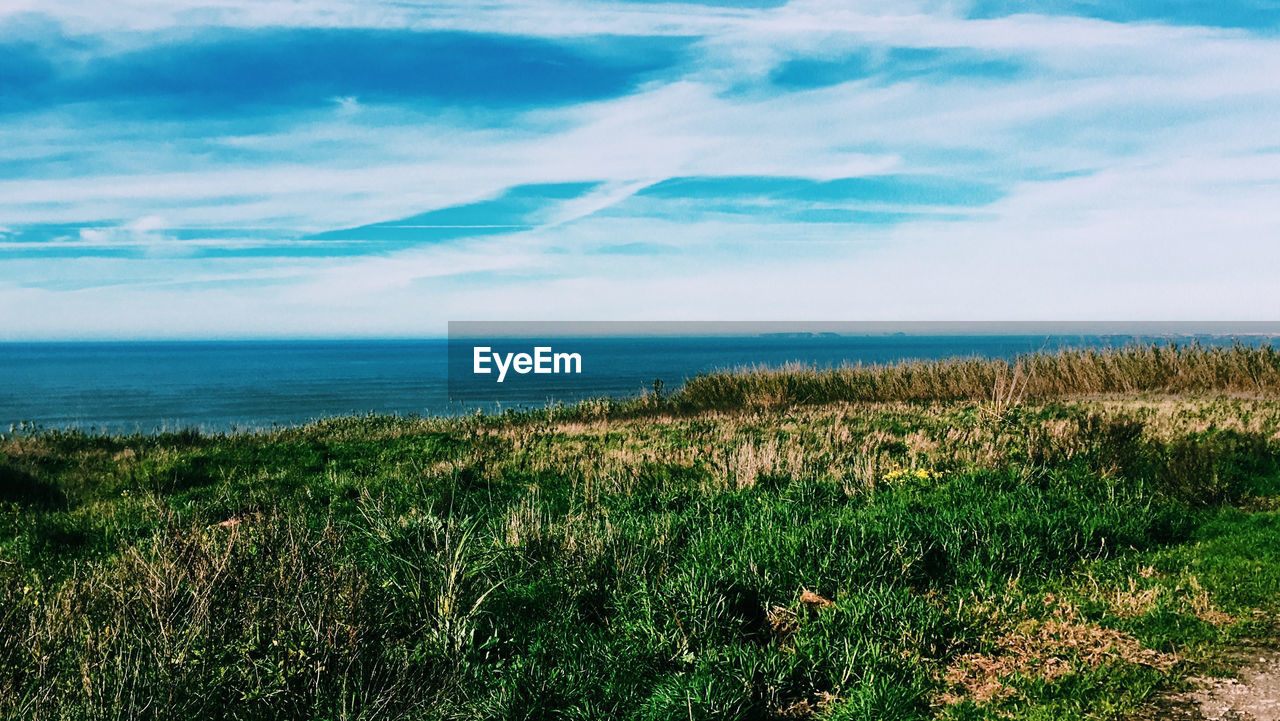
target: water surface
229 385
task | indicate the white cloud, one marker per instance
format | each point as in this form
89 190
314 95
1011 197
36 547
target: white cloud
1141 163
145 231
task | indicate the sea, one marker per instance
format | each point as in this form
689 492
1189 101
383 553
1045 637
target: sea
227 386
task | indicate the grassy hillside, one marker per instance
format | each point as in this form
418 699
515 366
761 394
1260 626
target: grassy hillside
957 540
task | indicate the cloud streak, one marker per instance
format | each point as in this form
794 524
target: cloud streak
409 159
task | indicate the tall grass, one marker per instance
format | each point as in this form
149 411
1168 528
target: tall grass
1155 368
890 561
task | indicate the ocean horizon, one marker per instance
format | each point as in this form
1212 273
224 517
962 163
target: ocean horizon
252 385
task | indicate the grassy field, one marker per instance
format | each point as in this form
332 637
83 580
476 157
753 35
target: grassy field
1057 538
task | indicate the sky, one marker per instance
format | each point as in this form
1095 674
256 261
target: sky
343 168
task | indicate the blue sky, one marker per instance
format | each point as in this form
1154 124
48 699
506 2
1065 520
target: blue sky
261 168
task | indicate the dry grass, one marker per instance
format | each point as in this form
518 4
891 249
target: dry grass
1043 650
999 384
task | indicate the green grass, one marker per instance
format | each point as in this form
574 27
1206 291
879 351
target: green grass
971 559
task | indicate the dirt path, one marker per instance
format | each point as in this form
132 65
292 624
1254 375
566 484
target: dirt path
1254 696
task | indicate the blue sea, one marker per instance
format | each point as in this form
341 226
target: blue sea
219 386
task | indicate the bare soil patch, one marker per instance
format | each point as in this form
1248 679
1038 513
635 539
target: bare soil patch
1254 696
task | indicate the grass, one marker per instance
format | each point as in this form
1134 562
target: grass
1160 368
867 543
1144 368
